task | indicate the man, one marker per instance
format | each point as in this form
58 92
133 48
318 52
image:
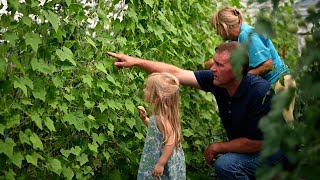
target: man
242 102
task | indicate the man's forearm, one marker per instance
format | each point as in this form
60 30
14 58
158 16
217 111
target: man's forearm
154 66
240 145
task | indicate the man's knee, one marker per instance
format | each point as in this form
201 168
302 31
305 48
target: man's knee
224 164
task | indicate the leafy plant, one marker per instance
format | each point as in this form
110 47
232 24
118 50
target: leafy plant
66 111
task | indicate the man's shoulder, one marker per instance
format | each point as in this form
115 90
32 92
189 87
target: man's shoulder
258 84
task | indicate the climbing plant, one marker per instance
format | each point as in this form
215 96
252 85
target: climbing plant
66 111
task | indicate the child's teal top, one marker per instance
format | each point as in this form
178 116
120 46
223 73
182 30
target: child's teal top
175 167
260 50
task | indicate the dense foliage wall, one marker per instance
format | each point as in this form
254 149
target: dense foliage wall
300 141
67 111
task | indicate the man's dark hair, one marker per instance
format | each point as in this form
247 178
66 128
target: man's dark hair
231 47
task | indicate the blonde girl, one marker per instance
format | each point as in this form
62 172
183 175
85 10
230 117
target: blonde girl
163 156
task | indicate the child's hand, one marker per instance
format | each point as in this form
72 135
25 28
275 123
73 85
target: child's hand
158 170
142 112
143 115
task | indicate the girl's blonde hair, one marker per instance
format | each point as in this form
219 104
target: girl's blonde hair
225 19
163 89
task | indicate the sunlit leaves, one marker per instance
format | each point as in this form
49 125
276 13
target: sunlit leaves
77 119
7 146
68 172
106 155
87 79
41 66
90 41
11 38
50 124
101 67
54 165
36 141
83 158
2 127
24 138
99 138
36 118
17 159
52 18
19 84
131 122
33 158
130 106
57 81
33 39
93 147
65 54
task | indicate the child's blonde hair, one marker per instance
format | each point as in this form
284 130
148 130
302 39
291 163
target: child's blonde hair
163 89
225 19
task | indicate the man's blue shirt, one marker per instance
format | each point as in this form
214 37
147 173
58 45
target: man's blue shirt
241 113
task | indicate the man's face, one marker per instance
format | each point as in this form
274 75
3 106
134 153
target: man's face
222 69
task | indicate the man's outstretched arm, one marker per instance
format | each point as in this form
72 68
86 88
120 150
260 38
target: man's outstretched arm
185 77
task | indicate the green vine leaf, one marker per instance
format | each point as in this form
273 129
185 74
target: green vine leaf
69 97
36 141
14 59
35 117
17 83
49 123
33 39
131 122
54 165
67 172
17 159
149 2
93 147
65 54
89 104
76 150
90 41
10 175
102 106
104 86
33 158
13 120
130 106
82 159
41 66
57 81
24 138
65 153
106 155
187 132
40 93
78 120
11 37
99 138
2 128
101 67
138 135
52 18
87 79
27 21
7 146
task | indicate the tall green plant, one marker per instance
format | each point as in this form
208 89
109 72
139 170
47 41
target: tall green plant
300 142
